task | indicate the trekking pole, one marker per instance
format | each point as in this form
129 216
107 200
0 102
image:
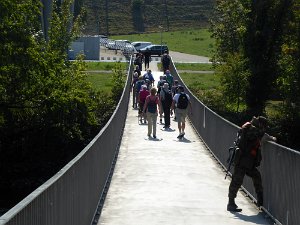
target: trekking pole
230 160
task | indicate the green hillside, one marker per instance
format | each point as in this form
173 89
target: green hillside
114 17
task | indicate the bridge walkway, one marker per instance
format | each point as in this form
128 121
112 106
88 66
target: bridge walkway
165 181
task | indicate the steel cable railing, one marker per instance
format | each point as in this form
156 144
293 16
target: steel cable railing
280 166
72 195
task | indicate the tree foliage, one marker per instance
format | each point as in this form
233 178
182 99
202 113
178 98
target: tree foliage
48 111
258 47
254 30
234 80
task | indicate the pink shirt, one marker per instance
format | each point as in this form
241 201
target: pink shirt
143 95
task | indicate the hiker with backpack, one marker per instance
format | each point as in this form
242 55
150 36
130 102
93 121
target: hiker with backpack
166 102
181 101
141 100
166 61
150 109
247 158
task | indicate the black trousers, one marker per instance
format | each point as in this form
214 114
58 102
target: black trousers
167 111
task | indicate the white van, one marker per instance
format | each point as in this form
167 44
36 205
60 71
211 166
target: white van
140 44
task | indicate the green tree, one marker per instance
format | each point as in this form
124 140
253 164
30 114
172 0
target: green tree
229 28
289 58
48 111
253 30
118 82
234 81
262 46
288 81
138 14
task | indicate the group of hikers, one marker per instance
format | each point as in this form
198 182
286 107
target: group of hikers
146 59
163 99
168 97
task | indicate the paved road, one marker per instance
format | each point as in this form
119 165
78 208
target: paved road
188 58
165 181
112 55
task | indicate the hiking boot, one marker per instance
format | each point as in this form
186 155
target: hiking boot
260 199
180 136
232 207
154 136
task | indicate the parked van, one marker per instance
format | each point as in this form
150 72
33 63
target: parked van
140 44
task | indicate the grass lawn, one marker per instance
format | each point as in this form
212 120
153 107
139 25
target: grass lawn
108 66
200 81
194 66
196 42
101 81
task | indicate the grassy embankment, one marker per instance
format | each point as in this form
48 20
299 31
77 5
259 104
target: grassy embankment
99 78
197 42
199 83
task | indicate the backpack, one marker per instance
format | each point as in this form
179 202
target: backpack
151 105
139 84
182 101
166 60
249 145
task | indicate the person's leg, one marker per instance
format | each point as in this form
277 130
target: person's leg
137 93
149 118
179 121
167 116
183 116
183 127
235 184
179 127
133 97
257 182
154 119
164 111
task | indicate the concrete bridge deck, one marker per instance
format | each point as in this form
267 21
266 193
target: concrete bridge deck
167 181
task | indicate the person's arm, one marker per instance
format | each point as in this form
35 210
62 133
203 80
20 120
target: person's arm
146 104
159 107
268 137
173 104
161 94
138 96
